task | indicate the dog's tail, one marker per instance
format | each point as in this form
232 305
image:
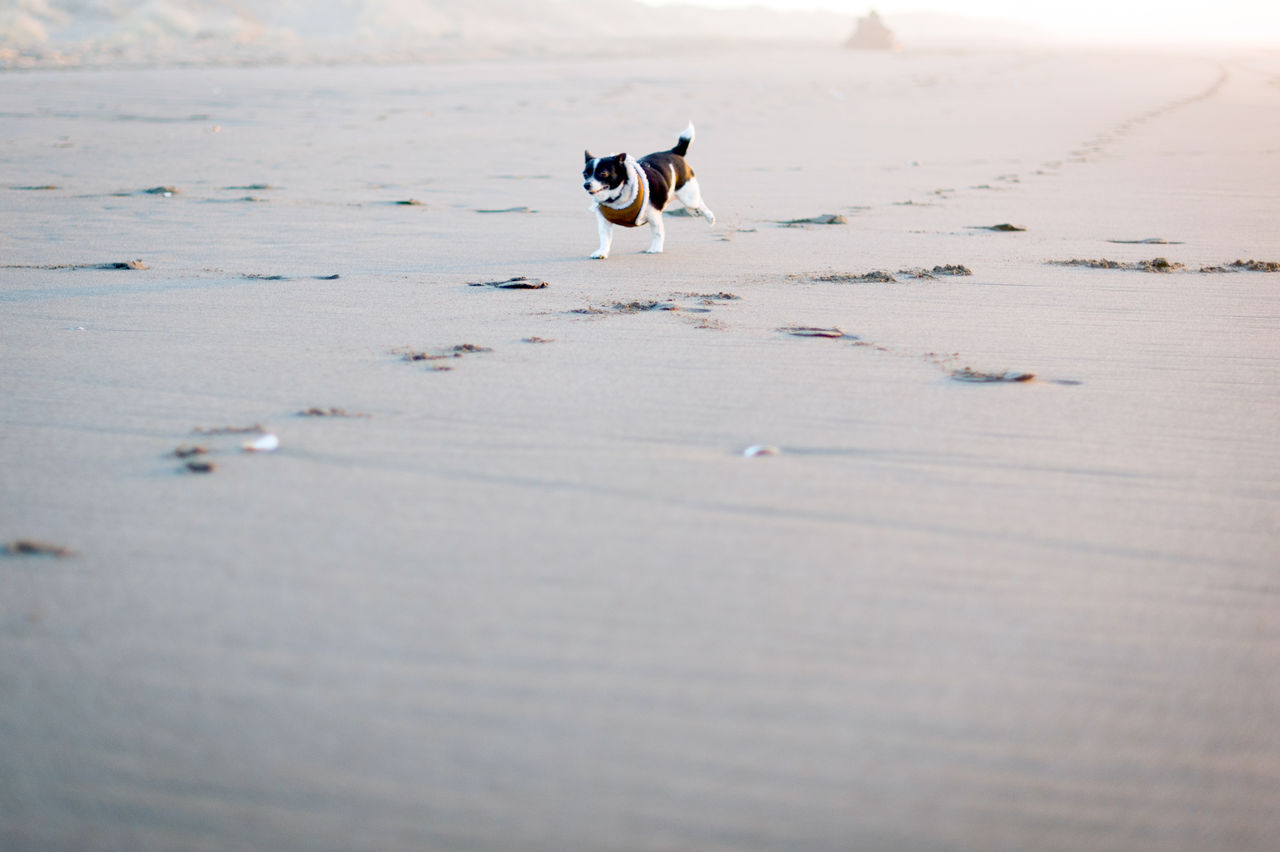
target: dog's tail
682 146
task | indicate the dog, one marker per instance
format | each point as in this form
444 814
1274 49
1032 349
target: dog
630 192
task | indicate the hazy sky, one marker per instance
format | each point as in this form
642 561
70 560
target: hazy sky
1112 20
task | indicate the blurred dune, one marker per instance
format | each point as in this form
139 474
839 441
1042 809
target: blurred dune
75 32
50 33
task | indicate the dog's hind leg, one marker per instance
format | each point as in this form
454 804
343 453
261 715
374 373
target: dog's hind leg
691 197
605 227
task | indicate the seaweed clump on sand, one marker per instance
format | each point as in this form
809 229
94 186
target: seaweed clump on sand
520 282
950 269
28 547
1245 266
256 428
642 306
883 276
1257 265
824 219
328 412
708 298
968 374
114 264
1156 264
458 351
636 307
875 276
832 333
451 352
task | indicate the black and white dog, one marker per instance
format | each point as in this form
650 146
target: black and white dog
631 192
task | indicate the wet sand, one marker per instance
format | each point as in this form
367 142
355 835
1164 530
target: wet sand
541 599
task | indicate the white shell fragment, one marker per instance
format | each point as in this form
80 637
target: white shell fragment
264 443
760 450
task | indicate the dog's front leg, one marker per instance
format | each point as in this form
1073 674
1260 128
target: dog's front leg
656 232
606 236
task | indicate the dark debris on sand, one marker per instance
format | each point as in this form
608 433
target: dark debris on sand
328 412
29 547
707 298
200 467
1003 226
883 276
636 307
688 304
458 351
115 264
875 276
1156 264
1245 266
257 276
536 339
520 282
255 429
968 374
812 331
824 219
187 451
642 306
920 273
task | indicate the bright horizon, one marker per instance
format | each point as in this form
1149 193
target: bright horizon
1143 21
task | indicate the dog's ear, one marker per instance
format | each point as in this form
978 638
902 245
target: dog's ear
589 157
621 158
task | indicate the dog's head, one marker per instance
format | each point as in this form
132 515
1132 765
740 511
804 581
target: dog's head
604 174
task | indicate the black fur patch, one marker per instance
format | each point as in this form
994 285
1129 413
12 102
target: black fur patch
610 171
659 168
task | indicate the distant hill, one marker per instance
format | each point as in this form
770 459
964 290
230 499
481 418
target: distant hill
92 32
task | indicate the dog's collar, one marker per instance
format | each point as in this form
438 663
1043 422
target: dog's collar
631 215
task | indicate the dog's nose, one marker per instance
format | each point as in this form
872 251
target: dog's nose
586 184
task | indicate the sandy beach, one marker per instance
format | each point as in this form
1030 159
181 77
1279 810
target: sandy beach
513 584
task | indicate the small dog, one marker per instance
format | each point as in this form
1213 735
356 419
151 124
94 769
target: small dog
631 192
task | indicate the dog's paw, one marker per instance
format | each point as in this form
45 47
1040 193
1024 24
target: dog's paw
709 216
600 255
652 250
